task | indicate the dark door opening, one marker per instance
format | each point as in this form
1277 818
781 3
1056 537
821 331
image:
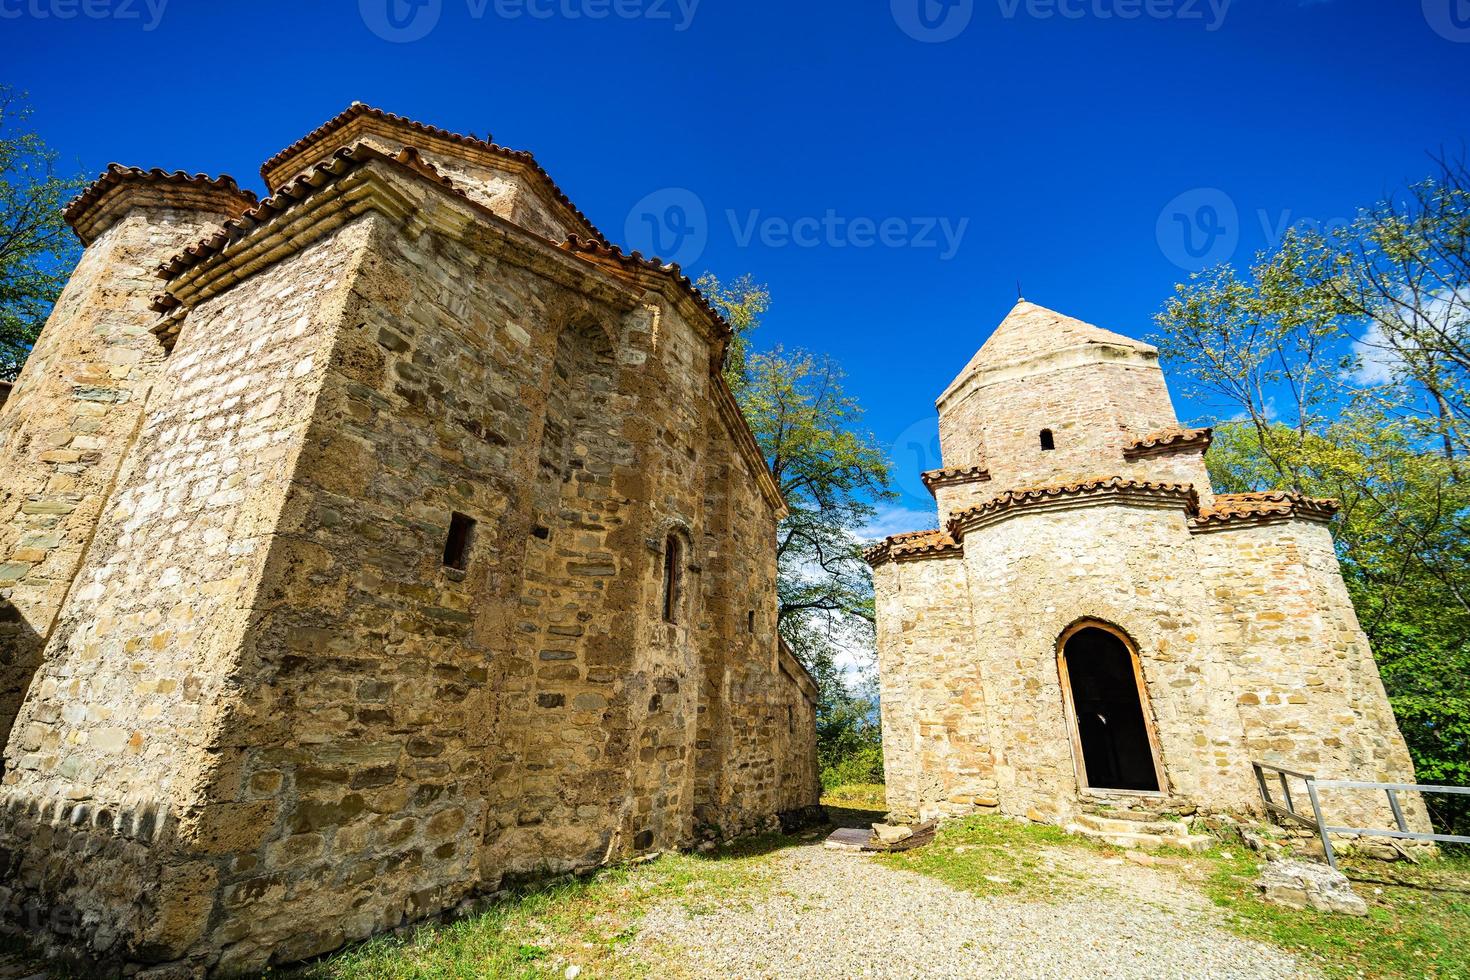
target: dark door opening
1108 706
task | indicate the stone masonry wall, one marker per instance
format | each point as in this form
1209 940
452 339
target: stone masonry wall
939 751
1246 638
1309 693
1129 566
1092 408
123 730
63 433
277 717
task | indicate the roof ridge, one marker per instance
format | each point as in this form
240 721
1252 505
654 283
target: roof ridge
578 245
117 175
358 109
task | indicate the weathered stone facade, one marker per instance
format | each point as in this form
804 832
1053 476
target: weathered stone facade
407 543
1073 503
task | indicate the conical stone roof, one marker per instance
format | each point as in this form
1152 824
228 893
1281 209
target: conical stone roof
1030 331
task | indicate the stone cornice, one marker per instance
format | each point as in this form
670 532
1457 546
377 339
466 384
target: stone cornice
1103 490
739 429
914 546
356 180
797 671
120 189
1166 442
358 119
955 476
1227 512
1231 511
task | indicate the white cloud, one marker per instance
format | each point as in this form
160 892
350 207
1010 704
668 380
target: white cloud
892 519
1376 360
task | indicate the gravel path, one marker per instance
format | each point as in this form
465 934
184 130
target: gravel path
834 914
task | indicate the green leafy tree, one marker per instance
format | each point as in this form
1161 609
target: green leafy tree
1345 358
830 470
37 250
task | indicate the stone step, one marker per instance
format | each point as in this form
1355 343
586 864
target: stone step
1147 842
1123 825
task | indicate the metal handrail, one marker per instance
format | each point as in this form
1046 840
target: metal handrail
1319 823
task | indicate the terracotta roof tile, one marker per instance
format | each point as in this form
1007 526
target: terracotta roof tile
1256 508
324 132
913 546
1170 440
636 260
223 189
346 159
1184 493
341 162
954 476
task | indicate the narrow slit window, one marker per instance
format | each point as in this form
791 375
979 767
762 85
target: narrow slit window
750 621
1048 442
457 544
673 577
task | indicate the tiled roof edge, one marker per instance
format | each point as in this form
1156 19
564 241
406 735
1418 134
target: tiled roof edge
230 195
636 260
1270 507
954 476
1169 441
1182 493
357 109
913 546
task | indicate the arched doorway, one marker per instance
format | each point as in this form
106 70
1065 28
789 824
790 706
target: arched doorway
1113 739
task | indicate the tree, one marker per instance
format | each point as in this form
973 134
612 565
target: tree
37 250
1345 359
830 471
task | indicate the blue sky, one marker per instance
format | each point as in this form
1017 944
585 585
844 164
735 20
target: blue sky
890 169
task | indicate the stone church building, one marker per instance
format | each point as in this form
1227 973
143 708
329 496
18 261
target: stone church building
368 547
1094 628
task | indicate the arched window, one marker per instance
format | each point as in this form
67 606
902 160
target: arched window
1048 443
673 577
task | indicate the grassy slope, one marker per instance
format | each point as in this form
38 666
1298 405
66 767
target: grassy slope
586 923
1419 925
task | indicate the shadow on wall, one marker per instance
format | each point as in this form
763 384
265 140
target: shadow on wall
20 655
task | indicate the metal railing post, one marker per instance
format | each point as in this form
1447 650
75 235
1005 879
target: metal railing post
1321 824
1398 811
1261 782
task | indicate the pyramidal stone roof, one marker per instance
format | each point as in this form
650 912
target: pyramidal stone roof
1030 331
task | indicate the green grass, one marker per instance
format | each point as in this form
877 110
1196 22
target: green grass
992 855
1418 923
587 922
859 796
